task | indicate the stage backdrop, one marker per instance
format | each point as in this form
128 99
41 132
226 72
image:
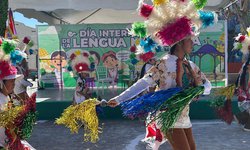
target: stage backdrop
210 53
103 41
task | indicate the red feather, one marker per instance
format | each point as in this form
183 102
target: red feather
26 40
85 54
225 113
242 38
72 56
146 10
14 143
132 49
6 69
145 57
14 140
82 67
151 132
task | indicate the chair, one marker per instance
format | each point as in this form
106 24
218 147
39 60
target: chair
126 79
123 79
102 75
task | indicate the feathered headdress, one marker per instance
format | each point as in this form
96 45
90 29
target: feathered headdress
11 50
147 49
170 21
242 42
7 71
82 61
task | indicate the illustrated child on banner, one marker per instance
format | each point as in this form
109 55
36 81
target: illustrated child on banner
111 62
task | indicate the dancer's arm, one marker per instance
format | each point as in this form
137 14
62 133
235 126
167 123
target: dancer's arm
134 90
26 83
149 80
201 79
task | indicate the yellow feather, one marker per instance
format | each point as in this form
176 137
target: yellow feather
159 2
84 114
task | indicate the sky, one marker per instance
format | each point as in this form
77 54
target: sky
18 17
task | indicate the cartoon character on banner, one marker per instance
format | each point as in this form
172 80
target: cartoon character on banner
57 66
82 63
58 62
111 62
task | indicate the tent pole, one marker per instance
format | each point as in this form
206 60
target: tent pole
88 16
53 15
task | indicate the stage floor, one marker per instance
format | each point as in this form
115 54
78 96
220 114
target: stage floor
66 94
52 102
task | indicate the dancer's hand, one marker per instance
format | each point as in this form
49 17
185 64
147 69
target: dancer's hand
192 72
86 90
187 64
112 103
196 99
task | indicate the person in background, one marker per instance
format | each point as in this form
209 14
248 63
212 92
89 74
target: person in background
243 82
150 63
82 66
21 85
243 117
82 90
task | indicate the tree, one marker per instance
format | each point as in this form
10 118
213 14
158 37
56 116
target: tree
242 13
3 16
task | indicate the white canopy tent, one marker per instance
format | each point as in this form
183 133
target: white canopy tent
87 11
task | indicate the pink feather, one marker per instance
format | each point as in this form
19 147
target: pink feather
177 31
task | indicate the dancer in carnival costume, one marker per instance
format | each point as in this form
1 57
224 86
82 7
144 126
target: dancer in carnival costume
171 23
146 51
243 83
83 112
82 63
13 130
19 60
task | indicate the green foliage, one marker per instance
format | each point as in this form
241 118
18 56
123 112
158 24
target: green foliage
3 16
